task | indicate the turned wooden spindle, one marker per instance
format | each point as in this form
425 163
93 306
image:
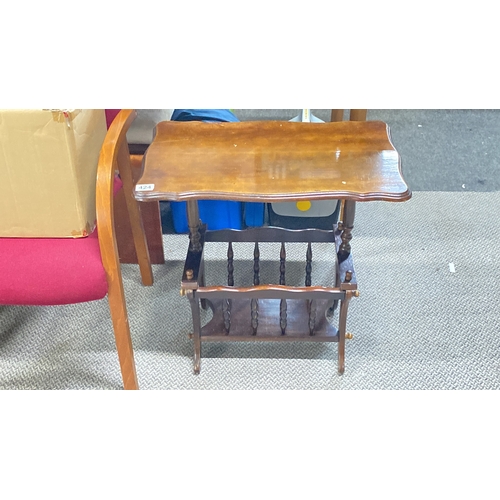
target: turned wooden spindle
283 315
226 313
311 306
230 265
194 226
347 226
312 316
256 281
308 264
226 303
256 264
255 315
282 264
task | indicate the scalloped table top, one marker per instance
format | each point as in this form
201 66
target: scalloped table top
272 161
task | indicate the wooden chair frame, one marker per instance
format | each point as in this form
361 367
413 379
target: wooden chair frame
115 157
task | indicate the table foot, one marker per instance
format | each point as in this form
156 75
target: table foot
344 306
195 310
197 366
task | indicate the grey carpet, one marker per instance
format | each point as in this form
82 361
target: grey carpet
416 325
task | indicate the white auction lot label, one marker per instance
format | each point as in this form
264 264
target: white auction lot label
144 187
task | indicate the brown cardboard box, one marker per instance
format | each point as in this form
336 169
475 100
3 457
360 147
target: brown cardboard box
48 166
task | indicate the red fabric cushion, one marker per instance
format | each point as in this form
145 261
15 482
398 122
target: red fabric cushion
117 184
110 115
51 271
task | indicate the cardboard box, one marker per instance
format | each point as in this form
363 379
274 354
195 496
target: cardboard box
48 167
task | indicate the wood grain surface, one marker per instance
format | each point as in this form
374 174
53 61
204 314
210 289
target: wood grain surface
272 161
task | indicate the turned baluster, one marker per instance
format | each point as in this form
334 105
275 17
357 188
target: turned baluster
311 305
283 315
226 303
308 264
256 264
230 266
194 226
282 264
346 228
256 282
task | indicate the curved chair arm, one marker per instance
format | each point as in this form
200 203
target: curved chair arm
115 155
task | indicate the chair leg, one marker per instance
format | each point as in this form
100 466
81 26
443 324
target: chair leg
337 115
358 115
138 234
119 317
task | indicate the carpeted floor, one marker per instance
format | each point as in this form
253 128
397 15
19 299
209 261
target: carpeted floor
416 325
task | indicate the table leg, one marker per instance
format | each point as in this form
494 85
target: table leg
195 246
194 226
344 306
347 226
195 312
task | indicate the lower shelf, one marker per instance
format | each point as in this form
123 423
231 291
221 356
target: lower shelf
269 322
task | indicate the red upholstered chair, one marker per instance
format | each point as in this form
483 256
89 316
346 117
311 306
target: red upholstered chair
57 271
110 116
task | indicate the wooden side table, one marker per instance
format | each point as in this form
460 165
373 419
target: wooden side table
271 161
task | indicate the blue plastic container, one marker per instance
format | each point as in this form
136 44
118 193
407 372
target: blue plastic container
254 214
203 115
214 213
